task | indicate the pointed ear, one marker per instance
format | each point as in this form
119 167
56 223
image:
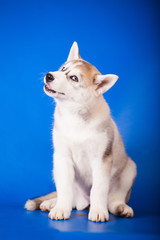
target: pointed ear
104 82
74 52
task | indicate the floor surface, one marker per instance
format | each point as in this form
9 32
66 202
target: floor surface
20 224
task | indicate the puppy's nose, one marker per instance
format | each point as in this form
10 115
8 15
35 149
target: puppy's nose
49 77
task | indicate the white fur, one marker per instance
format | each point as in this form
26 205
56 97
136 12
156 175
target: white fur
30 205
74 52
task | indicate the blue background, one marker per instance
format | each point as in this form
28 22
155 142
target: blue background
120 37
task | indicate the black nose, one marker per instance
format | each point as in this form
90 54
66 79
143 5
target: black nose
49 77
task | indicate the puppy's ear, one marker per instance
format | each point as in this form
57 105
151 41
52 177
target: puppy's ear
104 82
74 52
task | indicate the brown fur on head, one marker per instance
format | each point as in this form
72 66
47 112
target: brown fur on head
78 80
87 71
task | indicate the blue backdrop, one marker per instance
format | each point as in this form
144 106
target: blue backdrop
119 37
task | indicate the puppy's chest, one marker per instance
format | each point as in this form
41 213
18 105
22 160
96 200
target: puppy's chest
75 129
84 141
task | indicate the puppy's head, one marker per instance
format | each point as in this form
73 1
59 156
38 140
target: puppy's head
77 80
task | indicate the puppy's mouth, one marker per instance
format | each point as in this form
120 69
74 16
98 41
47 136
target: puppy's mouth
49 89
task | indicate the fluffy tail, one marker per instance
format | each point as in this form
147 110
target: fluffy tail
34 204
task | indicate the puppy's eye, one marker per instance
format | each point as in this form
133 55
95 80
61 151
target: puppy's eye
63 69
74 78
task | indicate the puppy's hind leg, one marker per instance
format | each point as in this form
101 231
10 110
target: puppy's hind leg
35 203
81 199
47 205
120 191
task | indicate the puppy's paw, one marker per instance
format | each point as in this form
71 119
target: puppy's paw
47 205
98 215
123 210
59 213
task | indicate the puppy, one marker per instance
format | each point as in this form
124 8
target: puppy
91 167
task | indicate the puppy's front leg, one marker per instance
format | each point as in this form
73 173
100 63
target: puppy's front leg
99 191
63 175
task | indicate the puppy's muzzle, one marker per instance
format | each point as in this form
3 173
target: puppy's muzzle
49 77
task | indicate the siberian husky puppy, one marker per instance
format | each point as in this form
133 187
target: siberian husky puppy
91 167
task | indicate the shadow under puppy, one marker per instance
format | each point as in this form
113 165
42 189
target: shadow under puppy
91 167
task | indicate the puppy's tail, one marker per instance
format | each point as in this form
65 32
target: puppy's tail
34 204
